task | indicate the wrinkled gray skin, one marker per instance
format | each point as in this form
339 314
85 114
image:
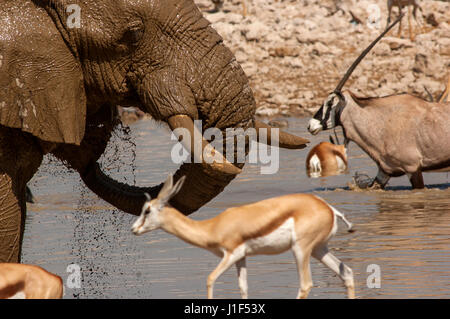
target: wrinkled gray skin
59 87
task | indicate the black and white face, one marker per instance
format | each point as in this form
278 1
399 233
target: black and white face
325 117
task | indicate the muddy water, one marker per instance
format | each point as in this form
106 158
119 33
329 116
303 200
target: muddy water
404 233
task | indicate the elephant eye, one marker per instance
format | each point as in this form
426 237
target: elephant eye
133 34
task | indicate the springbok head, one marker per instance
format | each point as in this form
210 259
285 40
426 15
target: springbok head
328 116
150 218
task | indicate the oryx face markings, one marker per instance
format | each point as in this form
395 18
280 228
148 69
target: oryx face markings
325 117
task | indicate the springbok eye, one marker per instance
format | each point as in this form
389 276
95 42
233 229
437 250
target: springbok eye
146 209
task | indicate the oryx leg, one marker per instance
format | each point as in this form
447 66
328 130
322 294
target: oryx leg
416 180
343 271
388 21
380 180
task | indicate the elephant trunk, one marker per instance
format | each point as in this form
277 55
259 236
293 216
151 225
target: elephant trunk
123 196
202 184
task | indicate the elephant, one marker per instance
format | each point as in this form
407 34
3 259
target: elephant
66 64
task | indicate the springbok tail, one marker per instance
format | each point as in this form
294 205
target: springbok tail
339 214
349 225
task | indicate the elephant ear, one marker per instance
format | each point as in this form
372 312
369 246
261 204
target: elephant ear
41 83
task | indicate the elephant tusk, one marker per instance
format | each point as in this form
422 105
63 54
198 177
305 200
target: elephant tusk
285 140
218 163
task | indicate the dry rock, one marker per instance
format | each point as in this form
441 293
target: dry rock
382 49
256 31
295 52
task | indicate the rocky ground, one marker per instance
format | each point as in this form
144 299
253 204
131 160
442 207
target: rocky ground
294 52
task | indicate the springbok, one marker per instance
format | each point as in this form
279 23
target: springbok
28 282
301 222
327 159
402 133
400 4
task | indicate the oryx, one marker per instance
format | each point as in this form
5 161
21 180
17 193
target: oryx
402 133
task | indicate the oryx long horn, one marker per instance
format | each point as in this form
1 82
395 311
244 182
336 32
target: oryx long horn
363 54
285 140
222 165
337 138
332 140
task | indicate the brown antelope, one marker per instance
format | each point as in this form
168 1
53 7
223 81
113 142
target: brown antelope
402 133
326 159
303 223
400 4
28 282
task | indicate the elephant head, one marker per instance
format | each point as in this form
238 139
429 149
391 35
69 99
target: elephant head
68 60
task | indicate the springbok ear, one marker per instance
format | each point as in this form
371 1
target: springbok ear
172 191
165 190
177 187
41 83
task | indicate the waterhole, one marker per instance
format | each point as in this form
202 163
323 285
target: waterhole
403 232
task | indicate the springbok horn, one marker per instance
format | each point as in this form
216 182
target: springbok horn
285 140
197 151
363 54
